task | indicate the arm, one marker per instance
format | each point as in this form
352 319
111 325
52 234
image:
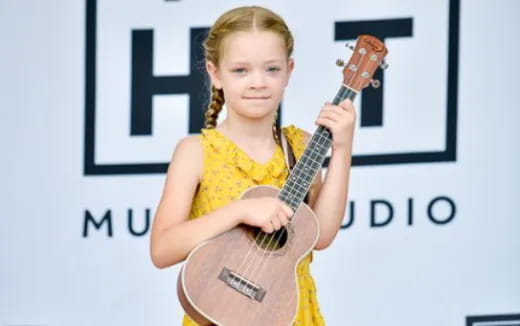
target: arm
173 236
329 200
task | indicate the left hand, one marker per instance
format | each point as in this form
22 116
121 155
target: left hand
340 120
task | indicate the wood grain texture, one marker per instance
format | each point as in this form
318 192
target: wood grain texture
207 299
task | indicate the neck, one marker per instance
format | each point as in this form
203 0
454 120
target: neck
240 127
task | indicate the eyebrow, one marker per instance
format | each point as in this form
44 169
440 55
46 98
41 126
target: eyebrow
266 62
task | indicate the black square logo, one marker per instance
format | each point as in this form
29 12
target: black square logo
493 320
129 107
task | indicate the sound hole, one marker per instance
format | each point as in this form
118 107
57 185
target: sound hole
270 241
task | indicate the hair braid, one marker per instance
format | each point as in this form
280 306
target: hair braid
214 108
245 18
275 129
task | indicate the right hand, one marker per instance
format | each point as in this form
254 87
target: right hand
267 213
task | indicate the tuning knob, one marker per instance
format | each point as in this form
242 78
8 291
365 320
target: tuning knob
350 46
383 65
375 83
340 63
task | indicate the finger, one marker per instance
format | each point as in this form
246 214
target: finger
326 120
332 114
268 228
346 104
336 109
288 211
283 219
327 123
276 223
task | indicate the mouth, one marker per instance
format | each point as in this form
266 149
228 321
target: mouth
256 97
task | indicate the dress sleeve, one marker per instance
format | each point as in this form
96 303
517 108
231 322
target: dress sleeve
295 137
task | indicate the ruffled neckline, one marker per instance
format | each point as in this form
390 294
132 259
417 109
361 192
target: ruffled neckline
235 156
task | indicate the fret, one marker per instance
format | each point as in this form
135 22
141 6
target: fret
305 179
325 140
322 144
322 149
292 194
315 165
295 189
298 188
293 203
306 174
311 155
296 179
323 132
338 99
319 137
311 161
288 199
303 159
318 163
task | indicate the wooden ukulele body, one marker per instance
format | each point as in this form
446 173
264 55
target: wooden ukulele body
235 280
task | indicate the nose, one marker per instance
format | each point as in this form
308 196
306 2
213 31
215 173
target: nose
257 80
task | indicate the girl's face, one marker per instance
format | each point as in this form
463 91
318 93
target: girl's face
253 72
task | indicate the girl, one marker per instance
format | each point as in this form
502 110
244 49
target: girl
248 59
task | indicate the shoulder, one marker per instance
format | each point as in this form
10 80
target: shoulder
188 155
189 145
296 134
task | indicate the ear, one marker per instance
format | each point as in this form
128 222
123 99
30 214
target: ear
214 74
290 67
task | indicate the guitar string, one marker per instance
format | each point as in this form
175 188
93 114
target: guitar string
266 259
241 284
271 236
259 269
283 231
265 236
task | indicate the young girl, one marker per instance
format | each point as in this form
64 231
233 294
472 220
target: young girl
248 59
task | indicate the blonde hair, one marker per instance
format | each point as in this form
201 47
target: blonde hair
240 19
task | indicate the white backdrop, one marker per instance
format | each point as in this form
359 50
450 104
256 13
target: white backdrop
409 270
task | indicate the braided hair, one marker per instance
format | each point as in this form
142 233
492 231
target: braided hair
240 19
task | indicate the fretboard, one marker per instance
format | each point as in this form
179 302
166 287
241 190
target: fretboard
300 179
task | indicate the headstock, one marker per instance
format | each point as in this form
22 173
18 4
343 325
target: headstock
368 54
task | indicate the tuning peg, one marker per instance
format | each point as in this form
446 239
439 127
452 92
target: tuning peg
350 46
383 65
340 63
375 83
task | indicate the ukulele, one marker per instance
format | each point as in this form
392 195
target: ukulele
247 277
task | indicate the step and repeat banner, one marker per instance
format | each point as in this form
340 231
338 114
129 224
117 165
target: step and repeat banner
94 95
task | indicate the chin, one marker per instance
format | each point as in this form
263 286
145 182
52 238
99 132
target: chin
257 112
264 111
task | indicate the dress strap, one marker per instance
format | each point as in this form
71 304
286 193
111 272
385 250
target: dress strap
290 160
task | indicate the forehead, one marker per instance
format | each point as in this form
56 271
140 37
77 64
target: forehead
253 46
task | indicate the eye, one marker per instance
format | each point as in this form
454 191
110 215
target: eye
239 70
273 69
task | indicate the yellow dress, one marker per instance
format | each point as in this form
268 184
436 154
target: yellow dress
228 171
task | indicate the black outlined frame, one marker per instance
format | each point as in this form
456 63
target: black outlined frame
90 167
507 319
